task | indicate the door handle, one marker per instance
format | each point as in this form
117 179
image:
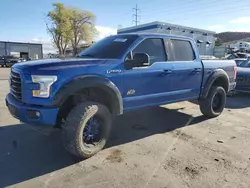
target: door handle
196 70
166 72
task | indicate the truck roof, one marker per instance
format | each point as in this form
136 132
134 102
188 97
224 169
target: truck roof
157 35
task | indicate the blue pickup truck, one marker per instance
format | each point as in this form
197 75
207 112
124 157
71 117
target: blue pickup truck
121 72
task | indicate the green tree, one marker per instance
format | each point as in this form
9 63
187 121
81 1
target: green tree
70 26
58 26
82 25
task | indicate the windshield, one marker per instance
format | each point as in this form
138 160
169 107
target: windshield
238 62
110 47
246 63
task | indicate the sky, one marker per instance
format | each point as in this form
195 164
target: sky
24 20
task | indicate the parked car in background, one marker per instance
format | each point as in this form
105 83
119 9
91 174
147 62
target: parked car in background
238 61
22 59
243 77
11 60
238 55
2 61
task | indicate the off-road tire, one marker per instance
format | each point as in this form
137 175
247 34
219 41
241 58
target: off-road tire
206 104
75 123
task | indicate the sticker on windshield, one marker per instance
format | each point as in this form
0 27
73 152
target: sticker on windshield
120 40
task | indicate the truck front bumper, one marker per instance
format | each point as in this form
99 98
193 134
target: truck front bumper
31 114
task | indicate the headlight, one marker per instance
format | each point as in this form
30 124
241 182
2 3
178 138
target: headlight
45 83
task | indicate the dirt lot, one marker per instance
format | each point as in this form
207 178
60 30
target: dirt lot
4 73
170 146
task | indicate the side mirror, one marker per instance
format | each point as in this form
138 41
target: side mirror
139 60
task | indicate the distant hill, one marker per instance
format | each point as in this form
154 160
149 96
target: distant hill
231 36
234 41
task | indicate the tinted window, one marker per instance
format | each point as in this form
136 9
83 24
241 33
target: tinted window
238 62
245 63
110 47
181 51
154 48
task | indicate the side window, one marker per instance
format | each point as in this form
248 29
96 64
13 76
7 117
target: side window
182 51
154 48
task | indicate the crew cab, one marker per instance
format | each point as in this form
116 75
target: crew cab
121 72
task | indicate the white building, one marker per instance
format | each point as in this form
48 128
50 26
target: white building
205 39
20 49
240 45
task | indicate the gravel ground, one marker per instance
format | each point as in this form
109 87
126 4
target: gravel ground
168 146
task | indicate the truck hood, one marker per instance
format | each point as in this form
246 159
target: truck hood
57 64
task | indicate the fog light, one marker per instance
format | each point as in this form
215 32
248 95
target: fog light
33 114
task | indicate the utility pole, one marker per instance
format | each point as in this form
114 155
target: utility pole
136 16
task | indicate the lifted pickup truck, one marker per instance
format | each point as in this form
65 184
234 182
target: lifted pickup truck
121 72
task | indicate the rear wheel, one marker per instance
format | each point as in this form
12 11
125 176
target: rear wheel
86 129
214 104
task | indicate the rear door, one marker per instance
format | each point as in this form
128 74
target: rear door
187 70
144 86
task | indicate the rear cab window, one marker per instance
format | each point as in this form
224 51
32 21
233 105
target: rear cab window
179 50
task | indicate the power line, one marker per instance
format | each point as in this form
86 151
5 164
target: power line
195 15
202 10
193 10
194 5
136 16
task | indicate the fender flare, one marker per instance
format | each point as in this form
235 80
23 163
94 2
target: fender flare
219 73
82 82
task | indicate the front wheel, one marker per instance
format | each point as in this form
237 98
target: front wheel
87 129
214 104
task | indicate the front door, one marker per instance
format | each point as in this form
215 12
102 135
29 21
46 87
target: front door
144 86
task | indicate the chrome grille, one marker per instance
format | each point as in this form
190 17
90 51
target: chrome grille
16 85
243 80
